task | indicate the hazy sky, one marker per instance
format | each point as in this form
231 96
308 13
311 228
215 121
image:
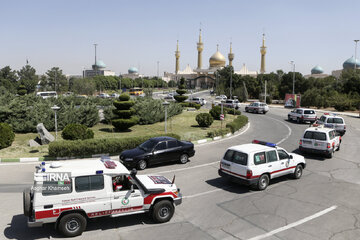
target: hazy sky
140 33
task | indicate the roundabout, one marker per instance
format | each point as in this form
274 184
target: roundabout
323 204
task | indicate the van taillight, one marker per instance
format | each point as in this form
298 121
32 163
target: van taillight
344 126
300 142
248 174
328 145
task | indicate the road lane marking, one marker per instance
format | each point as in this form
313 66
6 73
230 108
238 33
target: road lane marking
289 129
294 224
186 168
202 193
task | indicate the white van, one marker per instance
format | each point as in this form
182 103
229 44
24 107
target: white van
48 94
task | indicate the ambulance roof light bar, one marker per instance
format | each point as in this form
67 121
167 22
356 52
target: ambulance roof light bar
264 143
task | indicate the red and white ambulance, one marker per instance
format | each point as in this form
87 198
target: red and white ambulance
71 192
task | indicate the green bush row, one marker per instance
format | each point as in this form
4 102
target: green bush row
238 123
75 131
83 148
190 105
218 132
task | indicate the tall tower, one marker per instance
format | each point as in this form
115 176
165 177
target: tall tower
263 52
200 47
177 56
231 55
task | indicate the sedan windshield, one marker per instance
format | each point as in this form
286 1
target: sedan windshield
148 145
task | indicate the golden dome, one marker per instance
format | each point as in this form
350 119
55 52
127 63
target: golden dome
217 60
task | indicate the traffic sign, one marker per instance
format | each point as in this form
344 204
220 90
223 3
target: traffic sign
222 116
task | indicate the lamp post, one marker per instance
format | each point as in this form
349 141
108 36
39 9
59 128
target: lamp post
234 97
231 82
222 111
166 104
55 108
356 41
293 64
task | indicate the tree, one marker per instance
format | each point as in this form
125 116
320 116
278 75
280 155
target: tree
181 91
54 80
350 80
8 79
123 114
85 86
28 78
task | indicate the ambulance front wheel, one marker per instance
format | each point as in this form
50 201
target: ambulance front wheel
163 211
72 224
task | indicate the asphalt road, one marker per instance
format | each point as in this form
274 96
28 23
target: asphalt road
323 204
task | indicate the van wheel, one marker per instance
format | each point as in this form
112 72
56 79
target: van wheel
184 158
72 224
27 202
289 119
163 211
298 172
331 154
142 164
263 182
338 148
298 120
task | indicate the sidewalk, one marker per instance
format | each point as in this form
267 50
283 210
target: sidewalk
350 114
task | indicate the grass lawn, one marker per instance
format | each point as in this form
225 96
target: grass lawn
183 124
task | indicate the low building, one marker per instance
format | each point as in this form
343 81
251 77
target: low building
98 69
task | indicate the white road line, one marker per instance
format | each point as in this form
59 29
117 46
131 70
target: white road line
203 193
294 224
288 135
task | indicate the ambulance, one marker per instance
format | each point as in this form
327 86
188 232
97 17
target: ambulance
70 193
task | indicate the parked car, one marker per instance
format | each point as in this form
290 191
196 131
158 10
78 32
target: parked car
115 95
196 100
48 94
157 150
333 121
203 101
302 115
257 107
232 103
169 98
103 95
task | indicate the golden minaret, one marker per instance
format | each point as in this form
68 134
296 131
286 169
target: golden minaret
177 56
200 47
230 55
263 52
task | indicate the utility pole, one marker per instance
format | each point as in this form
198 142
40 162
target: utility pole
158 69
55 80
265 90
293 64
230 82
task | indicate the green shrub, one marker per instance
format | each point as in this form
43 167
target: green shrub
123 114
232 112
191 104
216 111
181 91
123 124
75 131
7 135
124 97
218 132
180 98
83 148
204 119
150 110
237 124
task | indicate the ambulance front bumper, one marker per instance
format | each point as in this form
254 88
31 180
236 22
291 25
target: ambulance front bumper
178 200
31 223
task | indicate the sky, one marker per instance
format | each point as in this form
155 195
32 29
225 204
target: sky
142 33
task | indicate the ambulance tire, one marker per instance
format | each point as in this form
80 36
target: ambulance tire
338 148
330 154
27 202
72 224
298 172
163 211
263 182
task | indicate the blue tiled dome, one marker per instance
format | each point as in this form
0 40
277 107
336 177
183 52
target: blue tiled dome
133 70
350 63
317 70
99 64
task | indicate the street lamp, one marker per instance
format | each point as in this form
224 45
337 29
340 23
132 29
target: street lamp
166 104
55 108
231 82
222 111
293 64
356 41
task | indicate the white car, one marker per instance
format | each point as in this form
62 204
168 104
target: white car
103 95
257 107
257 163
115 95
333 121
321 140
301 115
72 192
169 98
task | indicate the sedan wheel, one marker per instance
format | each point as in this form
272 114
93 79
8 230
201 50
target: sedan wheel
142 164
184 158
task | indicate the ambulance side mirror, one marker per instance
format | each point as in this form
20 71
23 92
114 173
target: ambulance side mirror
291 157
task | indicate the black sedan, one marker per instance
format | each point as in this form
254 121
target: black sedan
157 150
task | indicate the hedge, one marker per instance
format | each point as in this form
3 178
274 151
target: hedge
191 104
180 98
219 132
125 105
84 148
123 124
204 119
238 123
75 131
216 111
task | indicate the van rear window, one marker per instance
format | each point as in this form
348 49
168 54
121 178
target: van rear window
338 120
236 157
315 135
309 112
